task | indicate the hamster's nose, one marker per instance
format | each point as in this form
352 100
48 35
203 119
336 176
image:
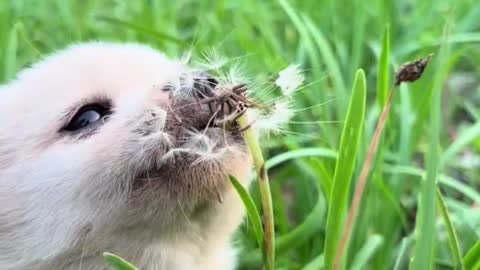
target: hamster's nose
204 86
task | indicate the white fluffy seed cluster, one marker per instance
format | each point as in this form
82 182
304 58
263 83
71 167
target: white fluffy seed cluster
279 112
289 81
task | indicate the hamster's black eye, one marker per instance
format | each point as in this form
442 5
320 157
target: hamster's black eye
87 115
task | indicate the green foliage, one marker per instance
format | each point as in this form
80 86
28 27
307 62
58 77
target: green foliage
452 235
252 212
423 256
117 262
432 137
472 258
383 71
362 257
344 168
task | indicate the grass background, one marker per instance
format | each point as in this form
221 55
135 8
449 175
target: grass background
433 130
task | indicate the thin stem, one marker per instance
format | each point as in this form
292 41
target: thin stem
452 235
264 188
352 213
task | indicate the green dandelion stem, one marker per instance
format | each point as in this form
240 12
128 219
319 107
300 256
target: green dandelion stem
264 188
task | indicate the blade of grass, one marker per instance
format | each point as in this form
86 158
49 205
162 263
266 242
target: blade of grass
252 212
306 152
366 252
311 51
300 234
330 61
138 28
362 180
445 180
315 264
452 235
25 37
469 21
118 262
310 225
299 25
324 175
465 138
327 54
303 231
472 258
391 198
282 221
471 109
458 38
408 73
423 254
10 55
382 71
303 152
402 254
359 27
349 144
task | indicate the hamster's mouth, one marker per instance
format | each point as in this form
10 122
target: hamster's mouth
201 116
203 147
183 170
211 106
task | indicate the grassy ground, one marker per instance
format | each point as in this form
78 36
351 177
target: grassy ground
434 125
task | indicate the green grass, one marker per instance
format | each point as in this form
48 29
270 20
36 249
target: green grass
347 155
431 141
117 262
423 257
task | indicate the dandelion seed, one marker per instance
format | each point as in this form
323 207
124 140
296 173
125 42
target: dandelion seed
236 76
187 57
187 80
161 140
274 121
200 144
290 79
213 60
253 114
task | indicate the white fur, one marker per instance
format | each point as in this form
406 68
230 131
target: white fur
63 201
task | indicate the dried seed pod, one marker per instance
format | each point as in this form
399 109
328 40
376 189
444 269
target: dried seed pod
411 72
